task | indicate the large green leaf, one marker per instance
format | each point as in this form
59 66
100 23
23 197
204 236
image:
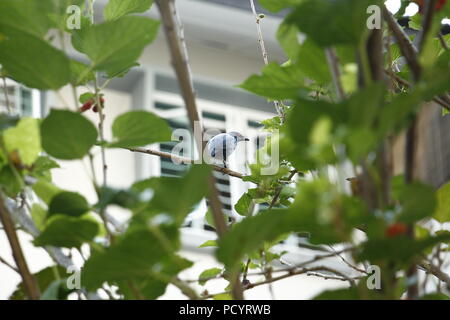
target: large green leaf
43 277
45 190
118 8
401 249
251 233
177 196
139 128
331 23
115 45
277 5
25 139
132 256
26 58
276 82
68 232
68 203
418 202
67 135
28 16
442 213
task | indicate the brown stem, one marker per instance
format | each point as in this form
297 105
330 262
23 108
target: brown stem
406 47
29 282
264 52
179 58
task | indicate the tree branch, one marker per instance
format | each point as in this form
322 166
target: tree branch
291 273
179 58
184 160
435 271
264 53
29 282
406 47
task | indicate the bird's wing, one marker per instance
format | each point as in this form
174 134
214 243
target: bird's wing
221 145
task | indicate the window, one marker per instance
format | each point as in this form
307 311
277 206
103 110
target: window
22 101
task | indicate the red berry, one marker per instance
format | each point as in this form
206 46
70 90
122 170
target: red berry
86 106
439 5
396 229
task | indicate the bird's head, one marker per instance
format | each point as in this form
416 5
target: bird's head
238 136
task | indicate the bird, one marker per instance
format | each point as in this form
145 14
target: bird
221 146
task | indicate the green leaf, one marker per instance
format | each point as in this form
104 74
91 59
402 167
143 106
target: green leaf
42 166
24 138
10 181
57 290
208 243
113 46
68 203
338 294
208 274
68 232
134 255
244 205
45 190
331 23
442 213
80 73
312 62
118 8
27 16
276 82
401 249
44 278
277 5
287 36
249 234
39 215
31 66
67 135
177 196
139 128
418 201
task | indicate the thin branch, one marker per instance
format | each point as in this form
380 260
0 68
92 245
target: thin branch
29 282
406 83
427 23
352 281
264 52
333 65
179 159
406 47
6 263
435 271
179 57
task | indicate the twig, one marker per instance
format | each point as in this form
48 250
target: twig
406 83
406 47
290 274
184 160
264 53
427 23
179 57
333 65
435 271
29 282
6 263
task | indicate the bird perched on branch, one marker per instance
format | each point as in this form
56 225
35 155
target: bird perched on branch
221 146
